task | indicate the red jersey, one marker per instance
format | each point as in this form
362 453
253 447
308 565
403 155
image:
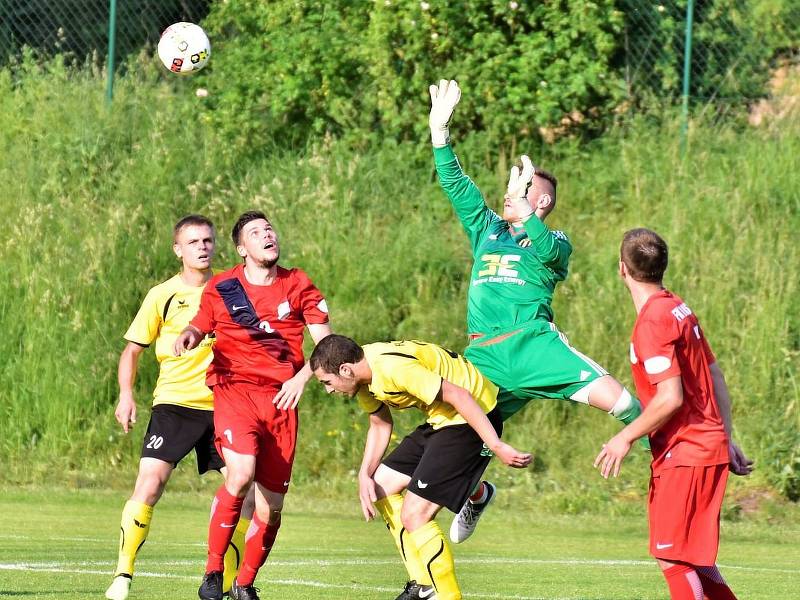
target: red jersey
259 328
667 341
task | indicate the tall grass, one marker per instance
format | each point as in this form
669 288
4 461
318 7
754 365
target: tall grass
89 192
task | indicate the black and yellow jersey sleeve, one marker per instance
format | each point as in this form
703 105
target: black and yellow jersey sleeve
164 313
409 374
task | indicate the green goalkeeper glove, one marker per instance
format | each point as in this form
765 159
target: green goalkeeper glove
444 98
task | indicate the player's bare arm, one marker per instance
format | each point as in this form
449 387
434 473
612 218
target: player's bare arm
667 401
188 339
378 436
289 395
125 412
460 399
739 463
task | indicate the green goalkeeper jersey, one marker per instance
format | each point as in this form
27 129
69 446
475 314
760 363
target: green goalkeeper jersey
512 281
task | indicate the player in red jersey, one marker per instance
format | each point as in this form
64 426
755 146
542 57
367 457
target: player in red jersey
687 414
258 312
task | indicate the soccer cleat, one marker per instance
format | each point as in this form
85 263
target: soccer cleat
243 592
119 588
211 588
415 591
466 520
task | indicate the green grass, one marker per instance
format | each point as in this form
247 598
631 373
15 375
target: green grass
89 193
63 545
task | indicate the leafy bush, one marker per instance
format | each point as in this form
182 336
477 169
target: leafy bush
289 69
286 69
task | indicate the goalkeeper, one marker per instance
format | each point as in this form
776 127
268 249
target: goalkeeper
517 264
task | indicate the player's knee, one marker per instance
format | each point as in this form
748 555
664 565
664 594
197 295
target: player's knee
269 515
238 483
149 487
413 521
415 514
624 404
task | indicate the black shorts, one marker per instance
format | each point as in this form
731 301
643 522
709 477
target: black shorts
174 430
444 464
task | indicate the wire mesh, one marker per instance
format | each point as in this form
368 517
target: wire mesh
737 45
78 29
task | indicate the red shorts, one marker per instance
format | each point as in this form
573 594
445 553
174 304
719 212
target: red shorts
247 422
684 509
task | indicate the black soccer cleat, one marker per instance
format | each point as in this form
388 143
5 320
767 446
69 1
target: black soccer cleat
211 588
415 591
243 592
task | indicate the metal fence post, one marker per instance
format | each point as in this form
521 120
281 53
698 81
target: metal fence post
687 73
112 39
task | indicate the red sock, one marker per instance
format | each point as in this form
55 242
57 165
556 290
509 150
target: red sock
684 583
225 510
480 494
714 586
258 542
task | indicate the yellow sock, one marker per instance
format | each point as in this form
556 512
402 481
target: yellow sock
134 527
434 552
389 508
235 554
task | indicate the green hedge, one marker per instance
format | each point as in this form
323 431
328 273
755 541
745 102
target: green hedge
290 70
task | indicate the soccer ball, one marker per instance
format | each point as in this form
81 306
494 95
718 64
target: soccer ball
184 48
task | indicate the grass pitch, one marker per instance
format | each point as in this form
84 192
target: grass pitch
62 545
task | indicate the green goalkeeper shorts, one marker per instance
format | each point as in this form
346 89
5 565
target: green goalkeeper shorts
534 360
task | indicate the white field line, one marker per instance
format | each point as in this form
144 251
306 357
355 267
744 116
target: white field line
296 582
488 560
325 562
199 544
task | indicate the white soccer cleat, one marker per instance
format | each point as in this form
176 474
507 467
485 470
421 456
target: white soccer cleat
466 520
119 588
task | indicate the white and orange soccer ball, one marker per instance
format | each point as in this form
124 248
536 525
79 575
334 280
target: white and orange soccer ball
184 48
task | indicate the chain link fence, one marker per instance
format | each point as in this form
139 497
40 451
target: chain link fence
79 29
735 47
735 50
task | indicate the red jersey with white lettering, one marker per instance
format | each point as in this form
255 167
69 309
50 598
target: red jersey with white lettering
667 341
259 328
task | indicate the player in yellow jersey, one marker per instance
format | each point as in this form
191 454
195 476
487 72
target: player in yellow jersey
438 464
182 416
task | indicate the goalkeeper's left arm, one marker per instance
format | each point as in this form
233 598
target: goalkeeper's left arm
552 248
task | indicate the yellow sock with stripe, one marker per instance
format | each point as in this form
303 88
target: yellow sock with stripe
434 552
234 554
134 527
389 508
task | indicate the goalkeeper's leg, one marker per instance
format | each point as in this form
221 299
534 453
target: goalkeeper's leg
608 394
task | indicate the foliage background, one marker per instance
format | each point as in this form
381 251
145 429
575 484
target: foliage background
335 150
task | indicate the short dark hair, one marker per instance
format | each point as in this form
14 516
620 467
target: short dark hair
244 219
547 176
645 255
333 351
190 220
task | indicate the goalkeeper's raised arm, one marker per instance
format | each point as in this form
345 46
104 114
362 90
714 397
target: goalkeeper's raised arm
462 192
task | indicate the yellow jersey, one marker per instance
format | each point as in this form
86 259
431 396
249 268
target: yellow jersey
165 312
409 374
